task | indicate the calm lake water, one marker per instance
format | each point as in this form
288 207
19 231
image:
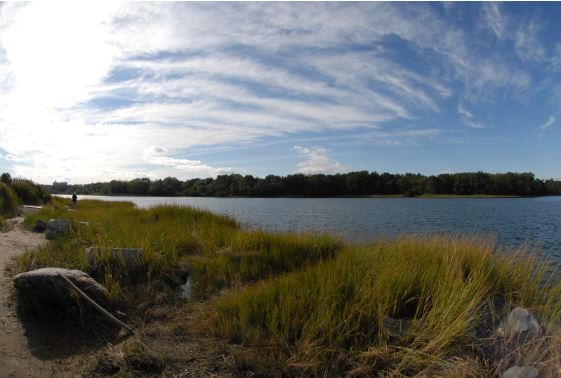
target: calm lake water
514 221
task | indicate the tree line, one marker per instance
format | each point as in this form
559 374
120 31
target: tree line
360 183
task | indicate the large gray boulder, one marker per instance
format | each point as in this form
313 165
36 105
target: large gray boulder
44 290
57 227
520 372
520 322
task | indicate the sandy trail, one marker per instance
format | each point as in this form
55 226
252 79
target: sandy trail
16 359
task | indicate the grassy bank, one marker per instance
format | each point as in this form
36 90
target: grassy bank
330 319
213 249
305 305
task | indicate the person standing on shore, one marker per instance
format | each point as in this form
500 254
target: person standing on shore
74 198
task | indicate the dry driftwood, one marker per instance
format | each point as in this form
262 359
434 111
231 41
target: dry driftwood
98 307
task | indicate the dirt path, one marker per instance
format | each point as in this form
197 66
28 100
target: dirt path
16 359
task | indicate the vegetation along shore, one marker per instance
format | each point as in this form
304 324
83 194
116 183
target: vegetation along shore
361 183
207 297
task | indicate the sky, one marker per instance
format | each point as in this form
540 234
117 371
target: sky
101 91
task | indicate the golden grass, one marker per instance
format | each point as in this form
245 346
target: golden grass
329 318
309 305
213 248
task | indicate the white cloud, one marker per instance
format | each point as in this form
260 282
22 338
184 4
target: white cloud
494 19
316 161
549 123
469 118
218 74
473 124
464 112
157 155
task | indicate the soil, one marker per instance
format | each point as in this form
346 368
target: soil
16 357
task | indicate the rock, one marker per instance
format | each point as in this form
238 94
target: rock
40 225
175 277
29 209
520 372
44 290
185 291
520 322
57 227
395 327
132 258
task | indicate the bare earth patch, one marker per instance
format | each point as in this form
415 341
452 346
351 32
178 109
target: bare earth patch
16 358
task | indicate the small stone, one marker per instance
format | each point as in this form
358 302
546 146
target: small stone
520 372
40 225
394 327
185 290
519 322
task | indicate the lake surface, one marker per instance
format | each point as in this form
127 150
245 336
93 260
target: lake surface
514 221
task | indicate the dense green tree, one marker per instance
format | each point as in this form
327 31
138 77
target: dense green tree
346 184
6 178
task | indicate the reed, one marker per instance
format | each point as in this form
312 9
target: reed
330 318
311 305
212 248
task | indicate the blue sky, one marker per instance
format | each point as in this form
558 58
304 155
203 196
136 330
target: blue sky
94 92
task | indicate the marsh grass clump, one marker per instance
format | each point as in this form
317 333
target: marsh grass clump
8 201
332 318
4 226
212 249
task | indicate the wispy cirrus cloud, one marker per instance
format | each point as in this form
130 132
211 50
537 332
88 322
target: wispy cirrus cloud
158 156
113 80
548 124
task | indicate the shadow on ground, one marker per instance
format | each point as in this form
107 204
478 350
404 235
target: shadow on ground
48 339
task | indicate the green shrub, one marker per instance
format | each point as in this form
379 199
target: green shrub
28 192
8 201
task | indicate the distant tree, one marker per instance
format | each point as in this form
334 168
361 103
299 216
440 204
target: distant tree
6 178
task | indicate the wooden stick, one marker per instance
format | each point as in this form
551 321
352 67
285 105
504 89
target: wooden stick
98 307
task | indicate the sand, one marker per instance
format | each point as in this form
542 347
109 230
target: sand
16 358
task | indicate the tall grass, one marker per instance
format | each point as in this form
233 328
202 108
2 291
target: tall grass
8 201
309 304
329 318
212 248
3 224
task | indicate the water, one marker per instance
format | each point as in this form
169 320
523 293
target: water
514 221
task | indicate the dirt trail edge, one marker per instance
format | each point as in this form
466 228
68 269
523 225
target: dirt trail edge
16 359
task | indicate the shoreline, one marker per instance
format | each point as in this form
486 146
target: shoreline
406 289
382 196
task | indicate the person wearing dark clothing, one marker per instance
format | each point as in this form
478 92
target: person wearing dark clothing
74 198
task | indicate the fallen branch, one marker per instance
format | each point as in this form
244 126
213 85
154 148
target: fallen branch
98 307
